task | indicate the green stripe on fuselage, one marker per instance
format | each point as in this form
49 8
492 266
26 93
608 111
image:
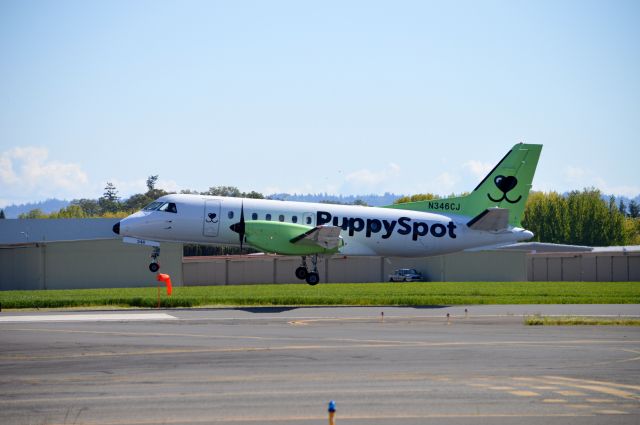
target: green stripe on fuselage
273 236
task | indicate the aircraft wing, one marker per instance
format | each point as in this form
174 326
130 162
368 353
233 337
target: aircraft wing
327 237
491 219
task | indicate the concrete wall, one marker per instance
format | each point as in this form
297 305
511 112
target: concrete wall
84 264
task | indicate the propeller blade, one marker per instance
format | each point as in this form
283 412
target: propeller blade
242 226
239 227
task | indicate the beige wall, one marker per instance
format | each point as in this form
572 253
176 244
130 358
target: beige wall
110 263
489 266
85 264
21 267
478 266
585 267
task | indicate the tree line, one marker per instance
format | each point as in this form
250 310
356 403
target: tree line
577 218
581 218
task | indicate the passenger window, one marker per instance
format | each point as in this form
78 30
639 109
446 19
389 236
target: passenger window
308 220
281 217
268 217
294 219
254 216
230 214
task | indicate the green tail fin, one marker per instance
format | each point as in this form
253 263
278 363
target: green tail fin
506 186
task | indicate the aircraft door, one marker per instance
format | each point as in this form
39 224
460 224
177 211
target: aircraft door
211 218
309 219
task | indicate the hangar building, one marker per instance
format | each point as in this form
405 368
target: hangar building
85 253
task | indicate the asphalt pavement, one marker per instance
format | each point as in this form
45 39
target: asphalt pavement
381 365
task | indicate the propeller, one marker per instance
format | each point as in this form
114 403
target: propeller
239 227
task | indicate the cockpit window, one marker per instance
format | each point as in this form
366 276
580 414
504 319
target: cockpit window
168 207
153 206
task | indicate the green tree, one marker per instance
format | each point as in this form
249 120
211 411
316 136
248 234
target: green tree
151 182
231 191
547 217
137 202
416 198
634 209
110 192
632 227
71 211
253 194
109 202
89 207
35 213
2 217
580 218
151 195
622 207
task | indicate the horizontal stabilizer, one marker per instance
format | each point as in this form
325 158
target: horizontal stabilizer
491 219
327 237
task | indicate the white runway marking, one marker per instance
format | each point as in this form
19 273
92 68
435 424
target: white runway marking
118 317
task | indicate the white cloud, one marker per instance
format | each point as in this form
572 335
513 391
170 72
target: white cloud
446 183
27 174
479 169
630 191
367 181
167 185
578 178
574 174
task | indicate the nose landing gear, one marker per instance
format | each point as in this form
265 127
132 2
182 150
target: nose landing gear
155 265
311 277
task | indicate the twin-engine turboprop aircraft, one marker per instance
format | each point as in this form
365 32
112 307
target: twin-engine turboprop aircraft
490 215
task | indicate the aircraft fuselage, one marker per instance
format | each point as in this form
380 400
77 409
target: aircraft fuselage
204 219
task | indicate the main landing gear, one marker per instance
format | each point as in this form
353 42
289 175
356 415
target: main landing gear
155 266
311 277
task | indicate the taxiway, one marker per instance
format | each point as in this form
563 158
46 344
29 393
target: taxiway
274 366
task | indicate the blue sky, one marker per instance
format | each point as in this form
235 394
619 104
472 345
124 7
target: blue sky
339 97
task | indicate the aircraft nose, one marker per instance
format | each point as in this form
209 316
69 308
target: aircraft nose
116 228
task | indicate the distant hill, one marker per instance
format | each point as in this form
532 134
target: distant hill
48 206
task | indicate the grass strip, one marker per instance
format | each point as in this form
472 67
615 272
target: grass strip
356 294
577 321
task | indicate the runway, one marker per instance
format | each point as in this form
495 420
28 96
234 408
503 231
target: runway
281 365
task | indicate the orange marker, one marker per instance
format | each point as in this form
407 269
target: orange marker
162 277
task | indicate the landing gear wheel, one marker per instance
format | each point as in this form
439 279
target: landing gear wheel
155 266
301 273
313 278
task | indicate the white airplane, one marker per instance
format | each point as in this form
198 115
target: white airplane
490 215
